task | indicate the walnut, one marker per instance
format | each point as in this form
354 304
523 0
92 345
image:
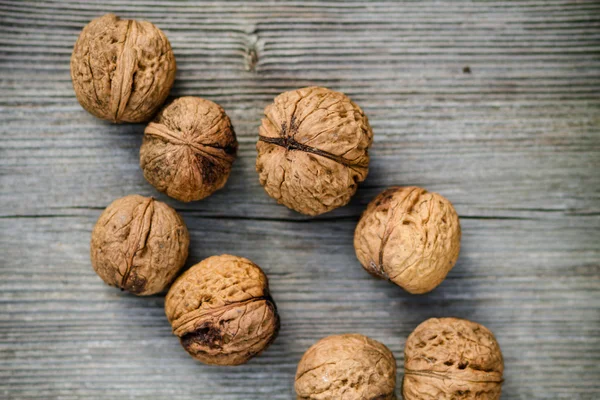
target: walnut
222 311
349 366
409 236
312 149
189 148
122 69
139 244
450 358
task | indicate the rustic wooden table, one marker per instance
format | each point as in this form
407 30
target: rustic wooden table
494 104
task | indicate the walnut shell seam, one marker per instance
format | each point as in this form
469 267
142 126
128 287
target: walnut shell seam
182 325
166 135
289 143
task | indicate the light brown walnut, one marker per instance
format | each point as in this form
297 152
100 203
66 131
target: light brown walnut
313 149
122 69
189 149
222 311
139 244
450 359
409 236
346 367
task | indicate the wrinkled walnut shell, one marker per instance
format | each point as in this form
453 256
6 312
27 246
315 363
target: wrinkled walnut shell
409 236
189 148
312 149
139 244
122 69
348 367
222 311
450 358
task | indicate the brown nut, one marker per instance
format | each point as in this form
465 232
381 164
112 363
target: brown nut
348 367
222 311
122 69
409 236
139 244
450 358
312 149
189 148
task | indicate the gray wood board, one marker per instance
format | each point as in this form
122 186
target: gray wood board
494 104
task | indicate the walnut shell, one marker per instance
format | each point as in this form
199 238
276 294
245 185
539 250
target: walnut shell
222 311
409 236
139 244
450 358
348 367
189 148
122 69
313 149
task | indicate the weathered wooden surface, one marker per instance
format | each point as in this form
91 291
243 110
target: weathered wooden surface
495 104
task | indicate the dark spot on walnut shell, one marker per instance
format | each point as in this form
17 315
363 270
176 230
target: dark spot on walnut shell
313 149
222 311
139 244
450 358
135 283
189 149
206 335
122 70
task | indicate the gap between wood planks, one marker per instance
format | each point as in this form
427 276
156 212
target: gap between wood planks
301 218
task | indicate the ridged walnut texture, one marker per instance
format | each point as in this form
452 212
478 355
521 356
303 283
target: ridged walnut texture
189 148
450 358
122 69
409 236
222 311
313 149
346 367
139 244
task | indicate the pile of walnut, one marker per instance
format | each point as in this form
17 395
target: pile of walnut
312 153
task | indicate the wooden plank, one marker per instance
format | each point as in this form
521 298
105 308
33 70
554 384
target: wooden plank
494 104
506 162
541 303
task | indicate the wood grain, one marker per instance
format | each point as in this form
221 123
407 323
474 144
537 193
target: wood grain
494 104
